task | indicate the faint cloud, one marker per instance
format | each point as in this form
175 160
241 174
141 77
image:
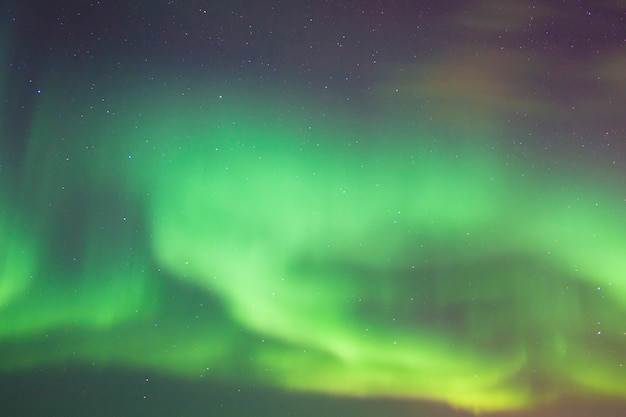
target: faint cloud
612 72
488 83
501 16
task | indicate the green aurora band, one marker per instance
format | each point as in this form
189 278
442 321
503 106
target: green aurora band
255 239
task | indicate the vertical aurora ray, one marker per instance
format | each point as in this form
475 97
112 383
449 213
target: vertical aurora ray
17 259
198 233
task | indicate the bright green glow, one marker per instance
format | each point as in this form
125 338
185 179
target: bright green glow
34 297
382 267
16 260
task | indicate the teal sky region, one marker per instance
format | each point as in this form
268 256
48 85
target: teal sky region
409 243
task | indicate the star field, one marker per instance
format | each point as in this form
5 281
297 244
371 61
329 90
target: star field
336 207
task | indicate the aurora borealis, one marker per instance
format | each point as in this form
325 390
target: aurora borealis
322 216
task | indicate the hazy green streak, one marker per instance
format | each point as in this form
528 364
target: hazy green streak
322 254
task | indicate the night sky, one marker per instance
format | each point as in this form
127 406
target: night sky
325 208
